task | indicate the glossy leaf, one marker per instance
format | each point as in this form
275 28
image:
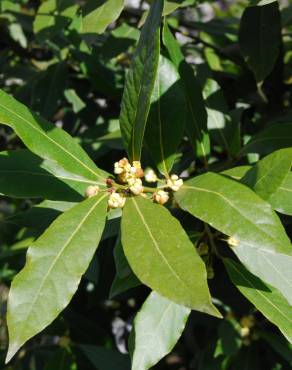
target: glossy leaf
281 200
157 327
221 127
274 137
166 119
139 83
269 173
271 267
265 298
55 265
24 175
236 173
235 210
259 42
196 121
47 140
97 16
162 256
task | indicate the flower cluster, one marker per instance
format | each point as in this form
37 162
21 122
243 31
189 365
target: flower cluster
130 174
174 183
130 177
116 200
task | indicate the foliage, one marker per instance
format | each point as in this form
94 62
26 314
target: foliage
145 181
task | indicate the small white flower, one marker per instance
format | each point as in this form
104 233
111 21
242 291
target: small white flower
122 166
131 180
137 170
133 170
91 191
117 169
137 188
116 200
174 183
161 197
150 175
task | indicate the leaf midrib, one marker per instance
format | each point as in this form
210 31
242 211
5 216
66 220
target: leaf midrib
62 250
255 288
173 272
51 175
50 139
232 206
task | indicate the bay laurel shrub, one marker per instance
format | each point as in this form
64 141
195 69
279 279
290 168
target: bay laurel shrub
146 175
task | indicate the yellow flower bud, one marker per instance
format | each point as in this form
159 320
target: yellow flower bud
161 197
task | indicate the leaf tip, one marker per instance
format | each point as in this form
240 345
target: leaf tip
213 311
13 348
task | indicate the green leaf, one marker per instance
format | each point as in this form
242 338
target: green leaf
260 241
259 42
53 16
123 284
24 175
196 120
281 200
162 256
122 266
273 268
236 173
266 299
170 6
229 337
139 84
274 137
97 16
17 34
75 100
235 210
47 140
157 327
269 173
223 130
166 120
54 267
